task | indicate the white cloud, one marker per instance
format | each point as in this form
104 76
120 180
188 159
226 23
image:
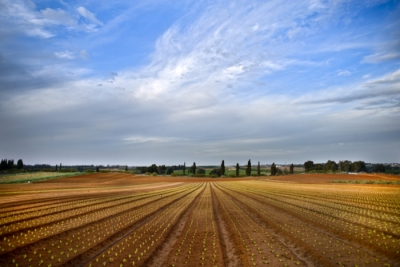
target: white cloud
385 86
381 57
84 54
88 15
344 73
65 54
58 16
23 16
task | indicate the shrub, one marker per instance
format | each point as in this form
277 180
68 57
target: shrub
213 176
69 170
154 174
147 173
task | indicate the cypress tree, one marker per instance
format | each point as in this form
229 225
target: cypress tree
273 169
223 168
10 164
184 168
20 164
60 166
258 169
291 169
248 170
56 167
237 169
126 168
194 168
3 164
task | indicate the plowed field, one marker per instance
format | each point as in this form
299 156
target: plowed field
114 219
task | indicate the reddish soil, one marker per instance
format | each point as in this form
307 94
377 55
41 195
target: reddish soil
327 178
114 219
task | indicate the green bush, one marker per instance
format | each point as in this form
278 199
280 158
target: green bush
154 174
232 175
69 170
213 176
89 171
147 173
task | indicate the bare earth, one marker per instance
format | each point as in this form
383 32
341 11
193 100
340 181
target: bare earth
115 219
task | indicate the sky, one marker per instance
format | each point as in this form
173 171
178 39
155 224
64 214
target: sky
167 82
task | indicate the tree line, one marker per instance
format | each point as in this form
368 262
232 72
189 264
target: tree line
344 166
9 164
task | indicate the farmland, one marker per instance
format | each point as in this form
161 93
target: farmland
116 219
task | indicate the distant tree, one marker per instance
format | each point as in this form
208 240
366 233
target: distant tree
10 164
126 168
3 164
273 169
170 170
194 168
237 169
56 167
97 169
20 164
330 166
60 166
278 171
381 168
291 168
248 169
378 168
184 168
258 169
201 171
162 169
345 165
308 165
223 168
216 172
358 166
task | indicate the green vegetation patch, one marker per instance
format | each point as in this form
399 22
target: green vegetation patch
34 176
364 182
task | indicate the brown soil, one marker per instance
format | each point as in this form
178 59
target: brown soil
115 219
327 178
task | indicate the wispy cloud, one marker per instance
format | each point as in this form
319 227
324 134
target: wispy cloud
65 54
88 15
386 86
381 57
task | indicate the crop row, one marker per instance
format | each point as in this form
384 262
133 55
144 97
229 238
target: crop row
137 247
34 234
301 223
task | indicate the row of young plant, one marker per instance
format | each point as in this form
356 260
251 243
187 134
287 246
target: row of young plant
199 243
257 243
315 218
136 248
76 206
135 209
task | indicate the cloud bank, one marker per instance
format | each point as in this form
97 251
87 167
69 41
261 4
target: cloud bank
229 80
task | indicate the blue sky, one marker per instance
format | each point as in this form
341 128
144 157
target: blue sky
141 82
